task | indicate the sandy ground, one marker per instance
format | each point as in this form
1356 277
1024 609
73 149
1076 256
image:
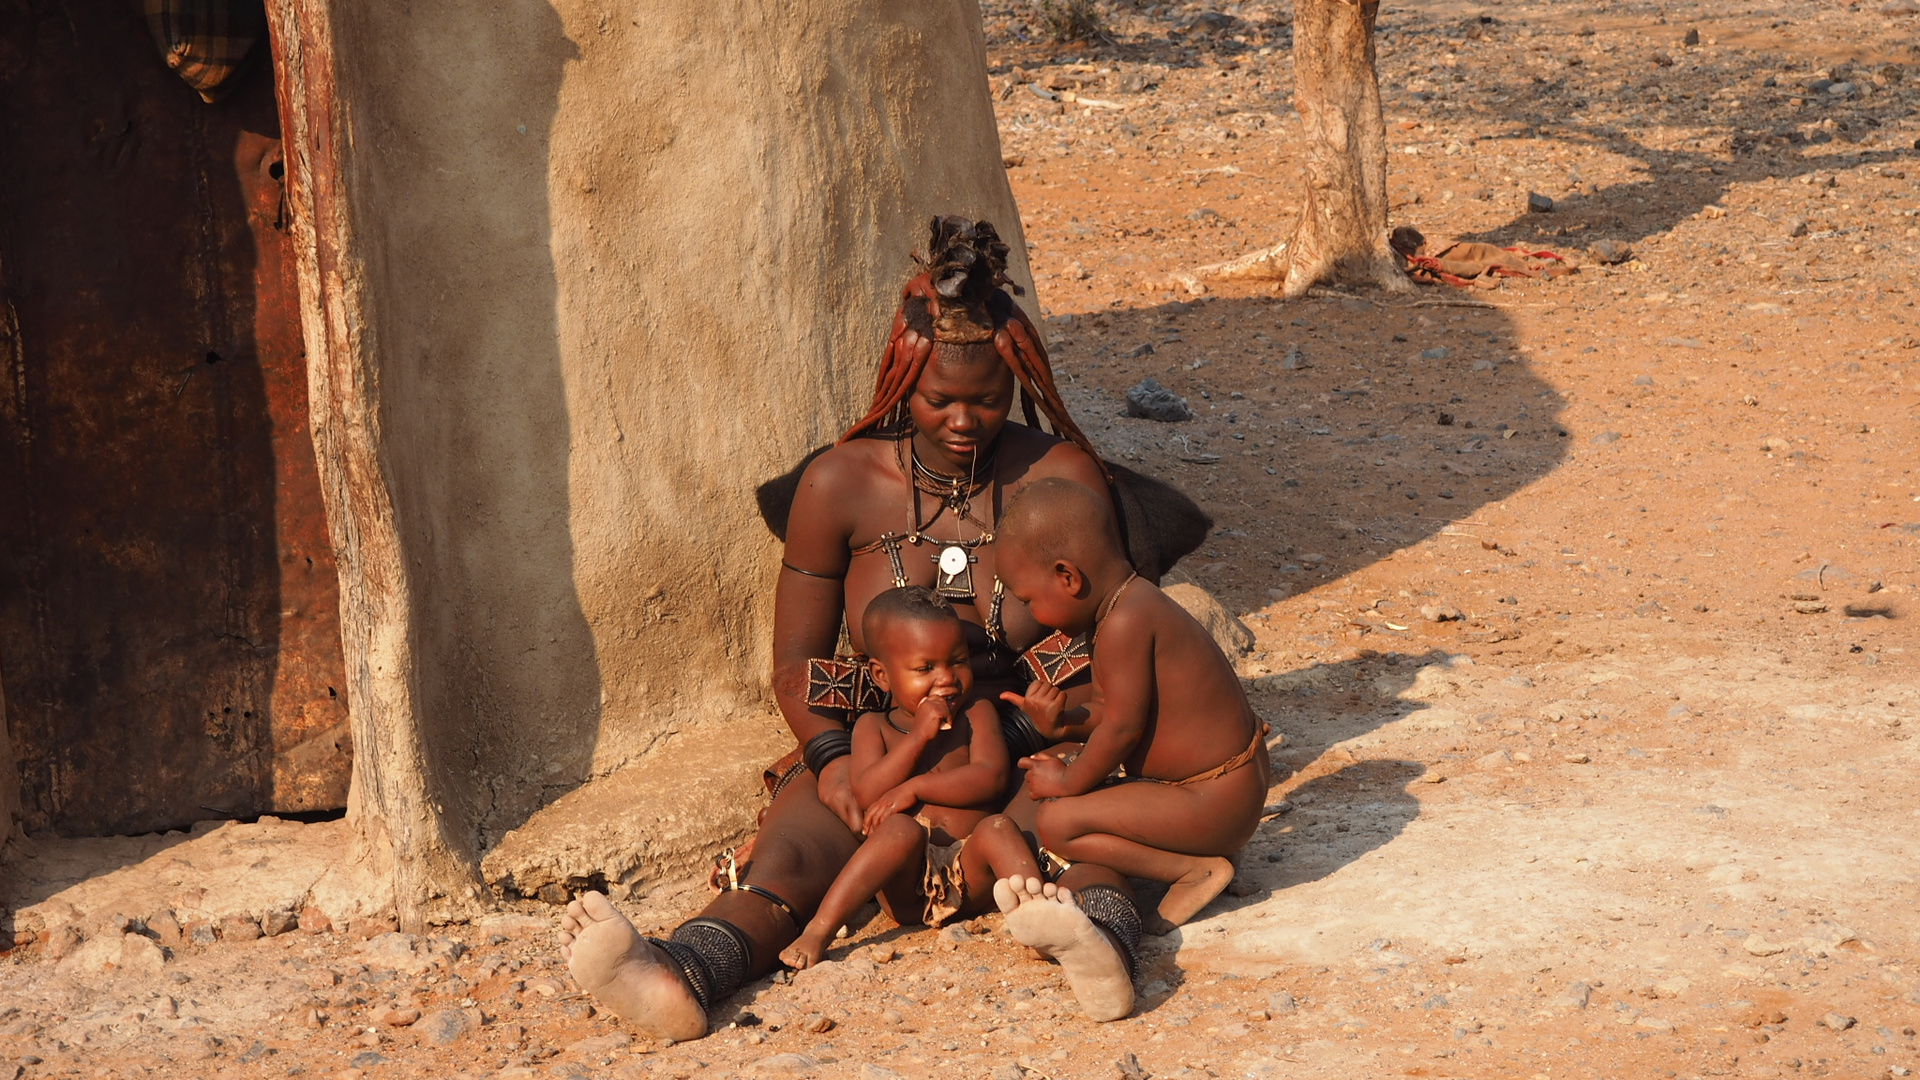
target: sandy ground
1644 808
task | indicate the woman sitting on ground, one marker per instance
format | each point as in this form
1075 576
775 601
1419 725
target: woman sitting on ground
909 496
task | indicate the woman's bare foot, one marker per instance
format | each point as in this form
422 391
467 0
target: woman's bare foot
1045 918
1195 890
806 950
627 976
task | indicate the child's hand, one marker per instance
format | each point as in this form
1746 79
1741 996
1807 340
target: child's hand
1043 703
934 716
1046 776
898 801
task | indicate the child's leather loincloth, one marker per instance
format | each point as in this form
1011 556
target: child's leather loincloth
943 881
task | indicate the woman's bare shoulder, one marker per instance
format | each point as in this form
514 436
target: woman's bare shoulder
1049 455
844 469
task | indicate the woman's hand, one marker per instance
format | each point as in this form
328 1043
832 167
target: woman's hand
835 787
1043 703
1046 776
898 801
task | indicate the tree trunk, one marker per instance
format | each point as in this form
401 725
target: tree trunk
576 278
1342 233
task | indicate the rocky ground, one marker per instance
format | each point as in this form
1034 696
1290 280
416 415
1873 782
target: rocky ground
1581 609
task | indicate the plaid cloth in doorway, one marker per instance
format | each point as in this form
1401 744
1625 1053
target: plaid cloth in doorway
206 42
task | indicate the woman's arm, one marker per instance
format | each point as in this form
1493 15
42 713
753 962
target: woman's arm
807 611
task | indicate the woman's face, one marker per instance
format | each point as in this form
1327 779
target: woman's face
959 405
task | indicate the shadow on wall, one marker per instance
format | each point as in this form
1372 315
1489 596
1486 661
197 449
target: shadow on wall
473 402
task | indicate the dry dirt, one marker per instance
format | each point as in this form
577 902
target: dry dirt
1644 809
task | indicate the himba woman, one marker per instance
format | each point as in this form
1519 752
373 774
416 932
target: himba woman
908 496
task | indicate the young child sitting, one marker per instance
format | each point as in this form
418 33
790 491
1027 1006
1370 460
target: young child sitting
1167 708
938 748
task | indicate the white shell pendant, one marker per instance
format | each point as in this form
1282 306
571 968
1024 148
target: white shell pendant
953 560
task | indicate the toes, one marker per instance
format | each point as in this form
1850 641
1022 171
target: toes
596 907
1051 891
1064 895
1004 895
575 913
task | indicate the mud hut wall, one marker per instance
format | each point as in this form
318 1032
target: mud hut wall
583 276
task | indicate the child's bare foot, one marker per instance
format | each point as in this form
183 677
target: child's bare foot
806 951
1045 918
1195 890
627 976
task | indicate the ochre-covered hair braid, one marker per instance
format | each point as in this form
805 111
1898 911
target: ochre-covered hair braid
979 269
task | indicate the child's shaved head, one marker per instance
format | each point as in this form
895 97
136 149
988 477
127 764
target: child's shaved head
1054 519
913 603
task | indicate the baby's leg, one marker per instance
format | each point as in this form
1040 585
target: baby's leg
1160 832
893 850
997 850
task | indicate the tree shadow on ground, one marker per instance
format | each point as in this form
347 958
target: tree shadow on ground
1326 433
1717 145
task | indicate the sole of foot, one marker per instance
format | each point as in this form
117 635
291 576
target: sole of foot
628 976
1045 918
1195 890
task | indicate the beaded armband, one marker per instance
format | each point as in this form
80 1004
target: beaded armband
1056 658
845 685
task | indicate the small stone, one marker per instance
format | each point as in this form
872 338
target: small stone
140 955
870 1071
1838 1022
882 954
1294 360
1438 352
62 942
894 1016
1073 271
1577 759
1605 438
1842 89
1796 227
1281 1004
1129 1067
1148 400
239 928
1259 1014
443 1027
367 1059
1810 607
254 1053
1439 613
1499 759
1692 38
275 923
820 1025
1202 214
1611 252
955 934
165 927
1145 348
315 921
1759 946
400 1017
1575 996
1538 203
788 1064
